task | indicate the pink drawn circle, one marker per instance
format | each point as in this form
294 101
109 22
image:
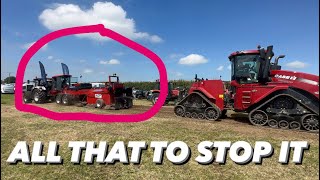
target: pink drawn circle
90 116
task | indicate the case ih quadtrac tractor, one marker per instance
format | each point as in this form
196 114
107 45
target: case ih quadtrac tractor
271 96
59 89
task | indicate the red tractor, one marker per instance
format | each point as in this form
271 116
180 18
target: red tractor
271 96
173 94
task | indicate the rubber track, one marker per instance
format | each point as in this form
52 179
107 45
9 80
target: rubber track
203 97
297 100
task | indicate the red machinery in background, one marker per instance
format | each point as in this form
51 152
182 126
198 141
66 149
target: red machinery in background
173 94
60 89
273 97
113 95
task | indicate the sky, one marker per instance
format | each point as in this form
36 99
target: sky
191 37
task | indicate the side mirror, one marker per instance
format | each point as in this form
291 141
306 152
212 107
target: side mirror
277 59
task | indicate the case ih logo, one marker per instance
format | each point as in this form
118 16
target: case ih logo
285 77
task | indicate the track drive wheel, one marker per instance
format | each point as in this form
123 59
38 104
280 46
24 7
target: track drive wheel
258 118
27 97
310 122
39 96
179 110
212 113
100 103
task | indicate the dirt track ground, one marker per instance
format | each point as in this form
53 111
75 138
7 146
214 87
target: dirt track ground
165 125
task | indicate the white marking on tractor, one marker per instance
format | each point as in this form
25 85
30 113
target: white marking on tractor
98 95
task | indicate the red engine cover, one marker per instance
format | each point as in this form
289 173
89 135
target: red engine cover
212 89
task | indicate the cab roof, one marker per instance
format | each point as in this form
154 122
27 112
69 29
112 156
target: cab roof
59 75
244 52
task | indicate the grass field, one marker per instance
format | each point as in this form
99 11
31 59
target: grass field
19 126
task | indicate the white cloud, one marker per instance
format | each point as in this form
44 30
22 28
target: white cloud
87 71
110 15
28 45
155 39
297 64
82 61
193 59
220 68
50 57
229 67
112 61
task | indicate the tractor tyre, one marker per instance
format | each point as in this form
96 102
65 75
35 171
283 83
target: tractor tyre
39 96
67 100
100 103
154 98
27 97
58 98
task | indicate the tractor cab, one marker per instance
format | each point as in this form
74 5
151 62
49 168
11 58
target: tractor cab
157 87
252 66
61 81
114 82
40 82
245 66
114 85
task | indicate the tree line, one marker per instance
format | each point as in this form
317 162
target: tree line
8 80
143 85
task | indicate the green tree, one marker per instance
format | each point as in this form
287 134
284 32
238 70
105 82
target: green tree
10 79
